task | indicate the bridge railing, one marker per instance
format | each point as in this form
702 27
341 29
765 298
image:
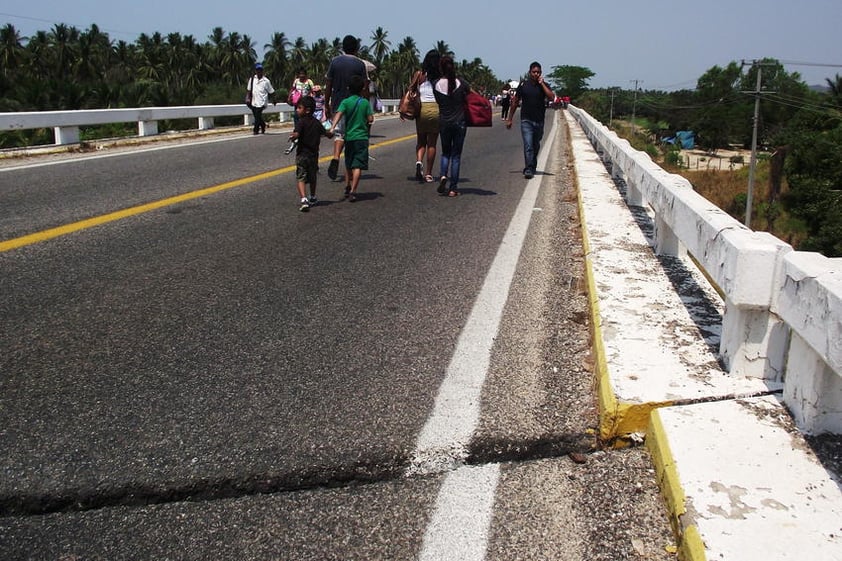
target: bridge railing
783 308
66 124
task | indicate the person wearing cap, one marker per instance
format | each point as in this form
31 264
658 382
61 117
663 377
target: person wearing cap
260 90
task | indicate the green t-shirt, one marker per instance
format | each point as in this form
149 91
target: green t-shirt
355 110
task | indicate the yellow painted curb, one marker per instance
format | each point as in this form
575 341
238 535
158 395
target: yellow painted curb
617 419
691 547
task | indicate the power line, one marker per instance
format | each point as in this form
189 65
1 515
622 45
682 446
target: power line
51 22
796 63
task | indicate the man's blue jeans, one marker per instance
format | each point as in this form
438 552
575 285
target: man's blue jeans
532 133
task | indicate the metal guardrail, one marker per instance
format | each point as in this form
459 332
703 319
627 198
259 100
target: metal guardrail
66 124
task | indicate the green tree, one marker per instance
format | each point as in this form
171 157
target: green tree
570 80
12 52
380 45
814 173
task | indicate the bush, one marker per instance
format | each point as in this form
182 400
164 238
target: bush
673 158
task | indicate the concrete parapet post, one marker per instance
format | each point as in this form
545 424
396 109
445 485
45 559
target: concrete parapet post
746 266
810 302
812 391
66 135
147 128
666 242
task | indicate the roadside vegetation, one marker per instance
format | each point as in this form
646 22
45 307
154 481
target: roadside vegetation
798 179
67 68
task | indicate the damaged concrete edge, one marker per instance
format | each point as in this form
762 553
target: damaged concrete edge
617 420
690 543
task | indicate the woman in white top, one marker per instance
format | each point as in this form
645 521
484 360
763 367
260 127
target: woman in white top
427 123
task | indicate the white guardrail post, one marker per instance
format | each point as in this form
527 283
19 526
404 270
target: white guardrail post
783 308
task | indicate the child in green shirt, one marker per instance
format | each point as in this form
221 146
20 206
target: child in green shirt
358 119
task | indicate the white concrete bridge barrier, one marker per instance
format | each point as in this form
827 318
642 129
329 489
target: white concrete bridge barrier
782 319
66 124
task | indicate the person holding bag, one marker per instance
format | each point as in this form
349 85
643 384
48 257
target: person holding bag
259 90
427 121
301 86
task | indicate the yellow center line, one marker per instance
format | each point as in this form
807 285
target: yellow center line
51 233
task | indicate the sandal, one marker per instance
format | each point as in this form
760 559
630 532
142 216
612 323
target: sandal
453 194
428 178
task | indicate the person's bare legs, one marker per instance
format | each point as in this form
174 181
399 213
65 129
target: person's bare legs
432 140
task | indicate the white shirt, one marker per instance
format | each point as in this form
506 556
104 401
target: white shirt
425 91
260 90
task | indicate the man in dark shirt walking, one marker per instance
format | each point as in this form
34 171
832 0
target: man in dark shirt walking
338 77
532 96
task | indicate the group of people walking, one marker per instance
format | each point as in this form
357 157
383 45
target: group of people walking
442 114
346 116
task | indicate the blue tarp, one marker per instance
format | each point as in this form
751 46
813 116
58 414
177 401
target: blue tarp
685 139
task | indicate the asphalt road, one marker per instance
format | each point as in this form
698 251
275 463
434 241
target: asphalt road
194 369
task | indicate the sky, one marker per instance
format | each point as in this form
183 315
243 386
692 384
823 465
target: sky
654 44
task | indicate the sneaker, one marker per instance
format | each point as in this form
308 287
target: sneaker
528 174
312 200
442 185
333 168
305 205
418 174
352 197
347 192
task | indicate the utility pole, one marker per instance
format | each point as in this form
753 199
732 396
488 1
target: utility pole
753 161
634 103
613 90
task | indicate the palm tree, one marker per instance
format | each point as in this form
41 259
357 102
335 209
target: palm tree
443 49
275 57
64 43
835 86
12 52
380 45
318 60
299 53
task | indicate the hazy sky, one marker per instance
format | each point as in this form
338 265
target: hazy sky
663 44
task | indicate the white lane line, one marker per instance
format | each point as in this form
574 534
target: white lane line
443 442
462 519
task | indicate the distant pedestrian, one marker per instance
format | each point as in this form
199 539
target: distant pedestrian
259 90
532 95
358 118
506 102
450 94
341 70
301 86
307 133
319 98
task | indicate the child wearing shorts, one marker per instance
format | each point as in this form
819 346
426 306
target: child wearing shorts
308 134
358 119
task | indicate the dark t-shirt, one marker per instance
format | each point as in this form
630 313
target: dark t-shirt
310 132
339 73
533 101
